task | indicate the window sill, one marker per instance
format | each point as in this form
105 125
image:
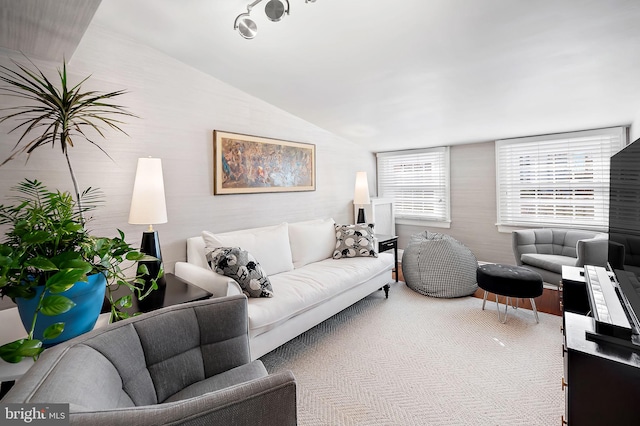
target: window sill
507 229
425 223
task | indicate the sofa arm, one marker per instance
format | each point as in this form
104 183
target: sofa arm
214 283
270 400
234 288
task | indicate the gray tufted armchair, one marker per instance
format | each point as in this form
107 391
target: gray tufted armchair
546 250
183 365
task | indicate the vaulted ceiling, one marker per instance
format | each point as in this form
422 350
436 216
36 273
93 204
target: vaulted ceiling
392 75
45 29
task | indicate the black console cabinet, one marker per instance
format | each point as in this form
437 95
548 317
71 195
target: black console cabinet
601 381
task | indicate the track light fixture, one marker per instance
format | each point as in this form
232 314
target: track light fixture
274 9
246 26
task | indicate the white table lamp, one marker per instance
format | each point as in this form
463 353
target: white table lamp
361 195
148 207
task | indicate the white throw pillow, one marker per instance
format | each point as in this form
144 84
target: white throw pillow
311 241
269 245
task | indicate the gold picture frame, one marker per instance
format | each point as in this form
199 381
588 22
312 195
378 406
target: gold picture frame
245 164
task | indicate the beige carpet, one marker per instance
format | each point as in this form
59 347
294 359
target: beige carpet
415 360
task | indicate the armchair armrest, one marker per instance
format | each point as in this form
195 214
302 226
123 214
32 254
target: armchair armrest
522 241
214 283
593 251
270 400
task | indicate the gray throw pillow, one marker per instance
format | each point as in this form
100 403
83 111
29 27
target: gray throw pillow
354 241
239 264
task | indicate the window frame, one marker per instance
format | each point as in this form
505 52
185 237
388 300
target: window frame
576 188
443 219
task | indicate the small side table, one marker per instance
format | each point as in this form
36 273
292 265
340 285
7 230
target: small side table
388 242
175 292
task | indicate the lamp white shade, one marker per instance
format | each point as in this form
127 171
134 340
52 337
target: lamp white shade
361 192
148 205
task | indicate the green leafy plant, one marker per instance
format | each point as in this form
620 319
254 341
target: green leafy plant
51 114
47 245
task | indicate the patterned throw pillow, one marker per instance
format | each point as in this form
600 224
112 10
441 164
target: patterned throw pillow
233 262
354 241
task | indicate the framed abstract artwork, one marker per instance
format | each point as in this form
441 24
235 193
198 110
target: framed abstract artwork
246 164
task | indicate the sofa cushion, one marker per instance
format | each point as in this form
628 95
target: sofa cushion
239 264
550 262
269 245
305 288
311 241
354 241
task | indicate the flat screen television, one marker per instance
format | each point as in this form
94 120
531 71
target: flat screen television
624 225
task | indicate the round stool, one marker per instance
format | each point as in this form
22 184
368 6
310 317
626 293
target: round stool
510 281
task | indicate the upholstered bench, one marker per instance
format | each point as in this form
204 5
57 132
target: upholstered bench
510 281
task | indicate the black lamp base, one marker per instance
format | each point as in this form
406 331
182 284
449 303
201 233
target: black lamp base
151 245
361 218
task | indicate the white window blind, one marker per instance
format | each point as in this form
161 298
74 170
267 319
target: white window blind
417 181
560 180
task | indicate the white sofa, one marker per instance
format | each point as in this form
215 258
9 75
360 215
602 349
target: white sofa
309 286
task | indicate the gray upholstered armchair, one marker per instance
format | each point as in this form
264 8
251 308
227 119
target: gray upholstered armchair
546 250
187 364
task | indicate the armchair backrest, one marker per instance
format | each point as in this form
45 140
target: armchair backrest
557 241
142 360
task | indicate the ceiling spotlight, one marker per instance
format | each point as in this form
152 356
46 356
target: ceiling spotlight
275 10
246 26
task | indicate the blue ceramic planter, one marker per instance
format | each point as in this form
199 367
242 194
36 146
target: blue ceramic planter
88 296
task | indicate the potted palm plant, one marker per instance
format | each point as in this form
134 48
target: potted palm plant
48 249
51 114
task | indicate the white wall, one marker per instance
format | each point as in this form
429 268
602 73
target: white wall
179 107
